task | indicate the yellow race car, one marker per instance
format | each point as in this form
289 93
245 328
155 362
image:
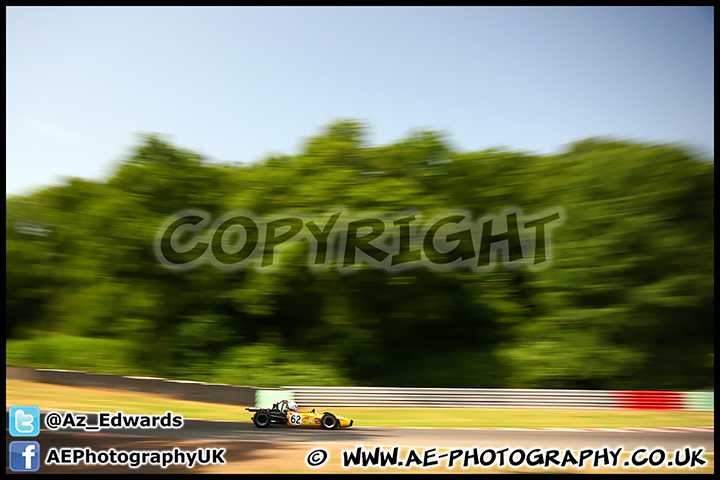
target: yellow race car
286 413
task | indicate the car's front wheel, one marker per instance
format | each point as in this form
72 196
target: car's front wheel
261 420
329 421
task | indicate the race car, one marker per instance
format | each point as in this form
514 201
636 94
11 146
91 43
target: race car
286 413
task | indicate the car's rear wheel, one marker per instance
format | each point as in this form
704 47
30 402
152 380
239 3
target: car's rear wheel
261 420
329 421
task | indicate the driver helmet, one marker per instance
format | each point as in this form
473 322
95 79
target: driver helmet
292 406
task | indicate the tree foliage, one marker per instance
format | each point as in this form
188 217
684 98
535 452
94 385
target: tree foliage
627 302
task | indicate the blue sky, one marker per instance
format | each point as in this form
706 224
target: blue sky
239 84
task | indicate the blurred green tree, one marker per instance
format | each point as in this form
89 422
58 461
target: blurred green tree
627 302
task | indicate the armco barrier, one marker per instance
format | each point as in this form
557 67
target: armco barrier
451 397
500 398
649 400
701 401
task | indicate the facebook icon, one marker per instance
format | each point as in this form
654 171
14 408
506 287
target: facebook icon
24 456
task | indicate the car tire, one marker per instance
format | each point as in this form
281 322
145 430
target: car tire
261 420
329 422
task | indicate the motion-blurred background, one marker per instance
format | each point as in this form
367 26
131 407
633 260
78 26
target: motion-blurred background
627 302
